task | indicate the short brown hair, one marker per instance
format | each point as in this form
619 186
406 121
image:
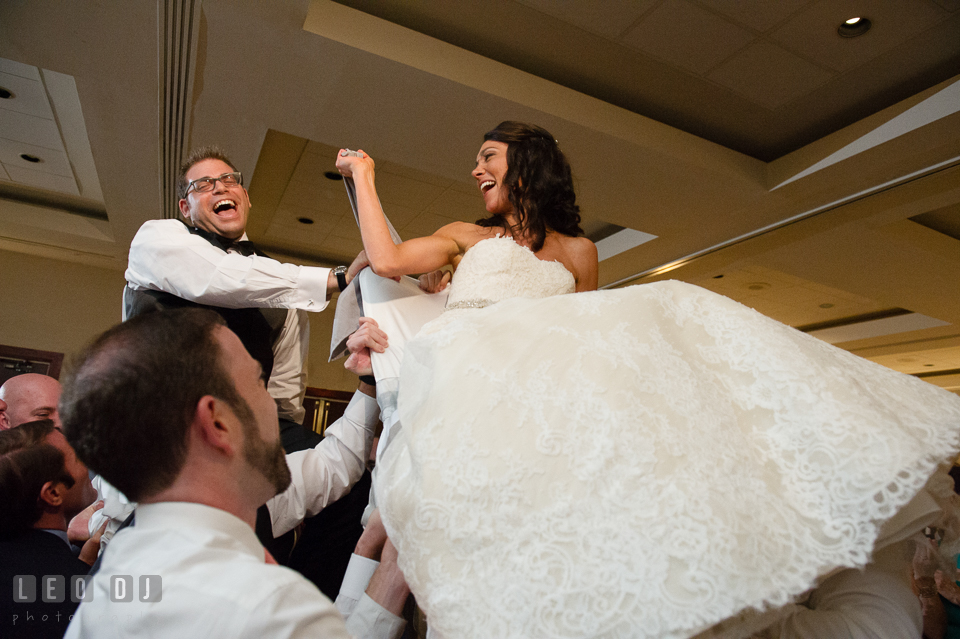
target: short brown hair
129 400
199 155
27 462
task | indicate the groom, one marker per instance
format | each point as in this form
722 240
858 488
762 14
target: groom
208 261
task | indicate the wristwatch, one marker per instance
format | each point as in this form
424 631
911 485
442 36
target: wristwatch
341 273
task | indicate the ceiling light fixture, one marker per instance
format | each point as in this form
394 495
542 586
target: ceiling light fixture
5 93
332 175
304 220
30 158
826 305
854 27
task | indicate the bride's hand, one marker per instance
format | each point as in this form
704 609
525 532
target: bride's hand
435 282
350 165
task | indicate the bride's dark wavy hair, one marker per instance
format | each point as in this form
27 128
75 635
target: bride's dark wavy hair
546 199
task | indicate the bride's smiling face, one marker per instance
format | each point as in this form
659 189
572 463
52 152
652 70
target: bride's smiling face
490 172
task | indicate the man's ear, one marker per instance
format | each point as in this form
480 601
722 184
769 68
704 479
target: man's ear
51 495
215 425
185 209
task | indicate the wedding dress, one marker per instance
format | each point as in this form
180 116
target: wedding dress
641 462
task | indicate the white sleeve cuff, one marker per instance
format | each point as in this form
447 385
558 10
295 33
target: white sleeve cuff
312 287
355 580
372 620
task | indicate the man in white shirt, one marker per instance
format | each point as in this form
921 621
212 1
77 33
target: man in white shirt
171 409
211 263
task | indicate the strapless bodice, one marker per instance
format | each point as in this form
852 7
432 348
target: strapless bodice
498 268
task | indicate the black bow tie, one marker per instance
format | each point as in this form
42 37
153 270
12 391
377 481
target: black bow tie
243 247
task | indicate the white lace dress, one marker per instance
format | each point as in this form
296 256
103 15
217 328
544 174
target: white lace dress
643 462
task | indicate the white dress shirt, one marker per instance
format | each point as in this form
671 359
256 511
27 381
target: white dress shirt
324 474
214 583
165 256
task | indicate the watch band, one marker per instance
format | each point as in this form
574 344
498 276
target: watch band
341 273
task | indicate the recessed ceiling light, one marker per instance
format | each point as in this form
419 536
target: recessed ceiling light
758 286
826 305
717 277
5 94
30 158
332 175
853 27
304 220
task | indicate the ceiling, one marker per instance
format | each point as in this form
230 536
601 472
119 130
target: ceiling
763 78
812 177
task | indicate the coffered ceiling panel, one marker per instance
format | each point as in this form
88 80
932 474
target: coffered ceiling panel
769 75
677 32
893 23
607 19
760 15
35 158
29 95
21 127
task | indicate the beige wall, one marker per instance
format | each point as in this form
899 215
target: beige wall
58 306
55 306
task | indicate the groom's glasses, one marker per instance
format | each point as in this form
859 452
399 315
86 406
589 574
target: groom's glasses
207 184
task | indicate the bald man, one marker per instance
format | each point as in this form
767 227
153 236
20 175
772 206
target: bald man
30 397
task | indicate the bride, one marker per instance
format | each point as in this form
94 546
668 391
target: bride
654 461
541 215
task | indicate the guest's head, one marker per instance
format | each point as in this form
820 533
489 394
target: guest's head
30 397
531 179
173 402
44 483
211 193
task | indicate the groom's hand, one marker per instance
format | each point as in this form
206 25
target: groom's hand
367 338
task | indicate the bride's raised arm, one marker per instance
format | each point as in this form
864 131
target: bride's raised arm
419 255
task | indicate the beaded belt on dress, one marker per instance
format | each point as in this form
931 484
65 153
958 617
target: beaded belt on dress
468 304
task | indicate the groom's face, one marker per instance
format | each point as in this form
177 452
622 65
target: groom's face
222 210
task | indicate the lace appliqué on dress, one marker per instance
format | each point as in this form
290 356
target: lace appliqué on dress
647 471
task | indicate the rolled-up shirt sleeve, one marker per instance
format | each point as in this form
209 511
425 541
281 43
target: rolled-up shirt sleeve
324 474
165 256
860 604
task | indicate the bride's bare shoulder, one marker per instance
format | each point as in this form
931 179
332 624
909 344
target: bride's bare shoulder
581 247
582 250
467 234
582 255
